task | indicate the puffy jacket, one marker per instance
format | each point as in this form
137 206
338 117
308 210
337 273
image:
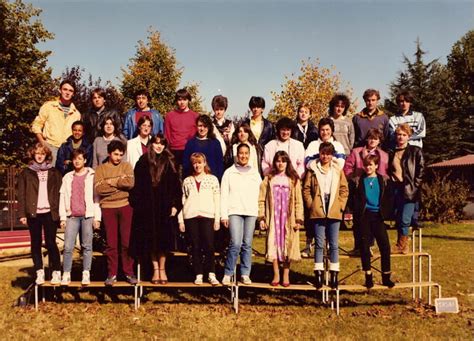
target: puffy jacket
28 185
413 165
130 129
65 152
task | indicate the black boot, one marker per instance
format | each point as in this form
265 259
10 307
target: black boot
333 283
369 281
319 279
387 281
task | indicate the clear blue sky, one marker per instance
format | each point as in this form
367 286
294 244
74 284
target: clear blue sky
244 48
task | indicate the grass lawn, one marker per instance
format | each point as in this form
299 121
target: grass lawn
206 313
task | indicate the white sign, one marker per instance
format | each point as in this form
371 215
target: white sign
447 305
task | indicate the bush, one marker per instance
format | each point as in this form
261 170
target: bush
443 199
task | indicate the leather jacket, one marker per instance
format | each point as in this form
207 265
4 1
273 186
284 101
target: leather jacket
93 121
385 197
311 134
268 132
413 165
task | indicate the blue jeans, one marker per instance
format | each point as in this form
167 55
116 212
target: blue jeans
73 225
326 228
404 210
241 230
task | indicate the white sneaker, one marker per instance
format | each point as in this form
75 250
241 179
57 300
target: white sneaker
39 277
226 280
66 278
245 279
198 280
56 278
212 279
86 277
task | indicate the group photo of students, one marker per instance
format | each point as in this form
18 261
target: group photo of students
204 184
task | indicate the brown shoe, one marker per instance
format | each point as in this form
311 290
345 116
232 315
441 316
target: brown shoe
404 245
396 249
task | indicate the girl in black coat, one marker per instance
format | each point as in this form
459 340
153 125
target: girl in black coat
156 201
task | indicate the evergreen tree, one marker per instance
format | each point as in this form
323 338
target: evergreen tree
25 79
427 83
460 99
156 69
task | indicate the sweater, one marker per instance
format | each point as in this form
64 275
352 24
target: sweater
99 149
417 123
90 198
180 127
211 148
363 122
112 183
344 133
204 202
239 192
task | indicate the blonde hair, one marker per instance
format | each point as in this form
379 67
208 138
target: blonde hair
39 146
405 128
200 157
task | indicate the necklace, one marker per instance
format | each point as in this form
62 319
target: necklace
371 182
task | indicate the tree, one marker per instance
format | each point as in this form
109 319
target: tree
84 88
25 79
460 94
315 87
427 82
156 69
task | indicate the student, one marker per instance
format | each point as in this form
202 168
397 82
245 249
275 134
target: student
95 117
372 201
370 117
406 114
53 124
239 210
38 207
156 199
201 216
406 167
261 128
204 142
138 146
223 128
142 99
244 134
354 169
281 212
113 181
343 127
79 210
292 147
74 142
325 194
305 131
109 132
180 125
326 134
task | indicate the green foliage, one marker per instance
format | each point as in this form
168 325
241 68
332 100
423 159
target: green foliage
84 88
444 199
427 82
25 79
314 86
156 69
460 99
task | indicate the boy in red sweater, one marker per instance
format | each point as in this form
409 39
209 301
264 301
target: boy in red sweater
180 125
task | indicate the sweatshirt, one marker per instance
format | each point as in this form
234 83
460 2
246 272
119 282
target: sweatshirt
112 183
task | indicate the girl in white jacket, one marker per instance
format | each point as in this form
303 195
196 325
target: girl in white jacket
200 216
78 211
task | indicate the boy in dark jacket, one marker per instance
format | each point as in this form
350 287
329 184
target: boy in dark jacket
372 204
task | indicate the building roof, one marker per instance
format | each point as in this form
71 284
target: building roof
463 161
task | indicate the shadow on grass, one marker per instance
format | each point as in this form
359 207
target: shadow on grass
434 236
